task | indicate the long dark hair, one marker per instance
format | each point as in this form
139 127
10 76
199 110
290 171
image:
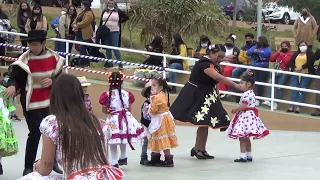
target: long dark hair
177 41
75 14
39 16
165 87
77 126
262 42
204 38
20 12
156 45
115 81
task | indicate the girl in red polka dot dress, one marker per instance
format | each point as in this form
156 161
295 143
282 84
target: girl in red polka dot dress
246 122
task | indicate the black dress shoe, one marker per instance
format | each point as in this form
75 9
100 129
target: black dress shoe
249 159
197 153
27 171
123 162
116 165
241 160
205 153
1 170
57 169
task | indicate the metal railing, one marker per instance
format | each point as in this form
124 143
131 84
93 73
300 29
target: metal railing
165 56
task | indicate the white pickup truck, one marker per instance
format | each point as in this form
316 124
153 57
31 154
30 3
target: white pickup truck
274 13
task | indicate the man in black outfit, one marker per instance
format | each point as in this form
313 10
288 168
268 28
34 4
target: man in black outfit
32 76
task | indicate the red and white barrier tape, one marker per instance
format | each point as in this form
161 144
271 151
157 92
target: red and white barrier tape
86 70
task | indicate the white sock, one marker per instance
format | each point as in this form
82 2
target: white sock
114 154
243 155
123 150
249 154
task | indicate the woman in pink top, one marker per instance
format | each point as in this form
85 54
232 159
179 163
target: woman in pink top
112 17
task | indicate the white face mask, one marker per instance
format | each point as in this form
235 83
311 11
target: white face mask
303 48
204 45
111 8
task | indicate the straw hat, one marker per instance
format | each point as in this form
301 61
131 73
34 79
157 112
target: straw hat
146 89
84 82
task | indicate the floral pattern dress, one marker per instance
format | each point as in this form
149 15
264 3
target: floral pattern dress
123 127
247 123
49 128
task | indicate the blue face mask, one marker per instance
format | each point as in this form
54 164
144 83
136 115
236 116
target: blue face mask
111 8
6 79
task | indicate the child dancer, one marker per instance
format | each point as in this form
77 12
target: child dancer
8 140
84 83
246 122
145 121
123 127
162 127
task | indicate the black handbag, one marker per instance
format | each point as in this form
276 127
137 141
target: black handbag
102 31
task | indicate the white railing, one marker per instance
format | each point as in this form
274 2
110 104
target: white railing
165 56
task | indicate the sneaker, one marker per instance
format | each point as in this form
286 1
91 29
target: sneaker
249 159
241 160
267 103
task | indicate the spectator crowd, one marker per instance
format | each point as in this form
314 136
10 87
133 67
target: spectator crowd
82 26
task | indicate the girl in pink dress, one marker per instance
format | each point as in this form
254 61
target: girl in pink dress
246 122
123 127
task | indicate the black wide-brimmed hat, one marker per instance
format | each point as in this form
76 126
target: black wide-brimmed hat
36 35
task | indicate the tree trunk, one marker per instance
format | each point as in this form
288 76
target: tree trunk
234 18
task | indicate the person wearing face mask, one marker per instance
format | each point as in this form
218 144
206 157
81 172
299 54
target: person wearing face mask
37 20
281 61
232 54
260 56
24 12
305 28
199 104
203 48
301 62
243 58
112 17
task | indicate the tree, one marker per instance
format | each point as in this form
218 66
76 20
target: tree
313 5
187 17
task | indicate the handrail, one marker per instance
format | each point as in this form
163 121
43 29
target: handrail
272 71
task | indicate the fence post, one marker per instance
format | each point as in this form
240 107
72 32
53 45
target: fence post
67 57
164 64
273 77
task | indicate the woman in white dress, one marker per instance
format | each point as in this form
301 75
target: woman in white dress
74 136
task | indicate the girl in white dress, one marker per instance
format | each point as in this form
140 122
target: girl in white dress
123 127
74 136
246 122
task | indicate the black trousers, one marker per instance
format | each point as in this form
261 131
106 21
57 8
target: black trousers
2 52
33 119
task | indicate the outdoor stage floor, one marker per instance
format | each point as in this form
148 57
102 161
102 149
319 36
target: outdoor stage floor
282 155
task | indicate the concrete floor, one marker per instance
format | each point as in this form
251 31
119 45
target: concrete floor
281 155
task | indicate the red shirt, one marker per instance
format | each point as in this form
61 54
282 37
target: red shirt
283 59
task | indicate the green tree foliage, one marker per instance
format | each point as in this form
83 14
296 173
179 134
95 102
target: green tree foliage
187 17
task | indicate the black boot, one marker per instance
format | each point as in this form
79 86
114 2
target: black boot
56 168
123 162
155 159
168 162
27 171
1 170
144 160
